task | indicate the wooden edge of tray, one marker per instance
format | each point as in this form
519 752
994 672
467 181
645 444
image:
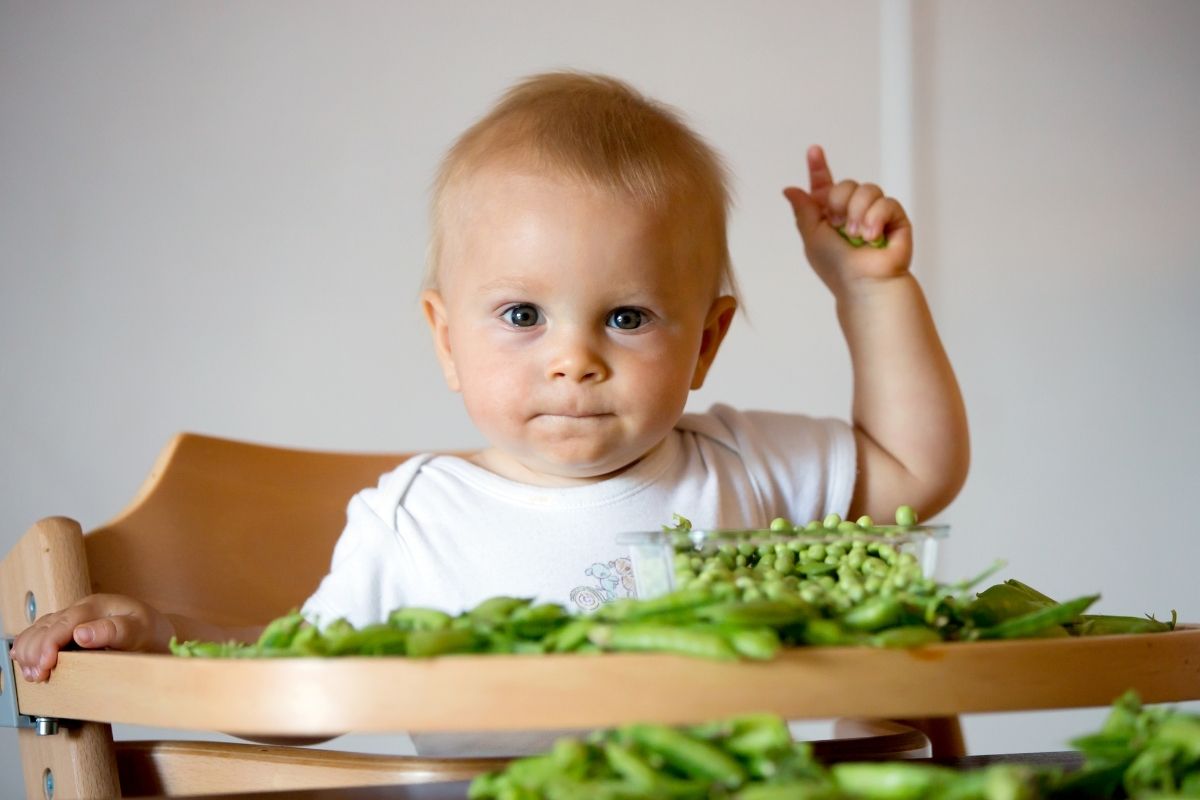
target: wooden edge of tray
314 696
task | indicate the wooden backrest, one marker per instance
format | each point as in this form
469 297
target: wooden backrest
230 532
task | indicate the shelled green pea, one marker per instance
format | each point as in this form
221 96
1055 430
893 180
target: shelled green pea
826 546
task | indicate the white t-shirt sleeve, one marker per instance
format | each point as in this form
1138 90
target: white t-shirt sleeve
802 467
366 580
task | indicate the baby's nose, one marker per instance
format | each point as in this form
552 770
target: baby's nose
576 359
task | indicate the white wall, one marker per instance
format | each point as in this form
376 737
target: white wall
212 219
1059 180
213 214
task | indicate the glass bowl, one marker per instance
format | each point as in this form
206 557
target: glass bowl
668 559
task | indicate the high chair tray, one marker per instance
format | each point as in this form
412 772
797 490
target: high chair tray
311 697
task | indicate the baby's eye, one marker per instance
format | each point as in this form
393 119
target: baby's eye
522 316
626 319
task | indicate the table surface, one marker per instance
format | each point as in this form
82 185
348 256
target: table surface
314 696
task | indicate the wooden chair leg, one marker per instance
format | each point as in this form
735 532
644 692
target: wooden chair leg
47 571
77 762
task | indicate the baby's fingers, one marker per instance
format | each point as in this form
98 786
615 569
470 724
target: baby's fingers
864 196
36 648
116 632
882 216
820 179
837 202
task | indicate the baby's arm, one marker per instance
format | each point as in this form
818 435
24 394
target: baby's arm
111 621
909 421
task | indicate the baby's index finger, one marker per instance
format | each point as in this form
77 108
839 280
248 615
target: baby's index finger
819 177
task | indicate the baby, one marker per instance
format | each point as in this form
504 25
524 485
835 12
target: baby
579 287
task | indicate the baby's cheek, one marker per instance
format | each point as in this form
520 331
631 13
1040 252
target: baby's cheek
494 404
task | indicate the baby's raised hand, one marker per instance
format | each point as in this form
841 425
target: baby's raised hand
863 212
97 621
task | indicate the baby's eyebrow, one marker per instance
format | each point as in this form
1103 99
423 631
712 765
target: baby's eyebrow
505 284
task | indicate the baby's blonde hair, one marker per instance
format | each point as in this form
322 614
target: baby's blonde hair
602 132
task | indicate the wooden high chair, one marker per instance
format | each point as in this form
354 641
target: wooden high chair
236 534
225 531
240 533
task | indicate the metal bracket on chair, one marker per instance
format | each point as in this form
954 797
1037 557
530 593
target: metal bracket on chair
10 716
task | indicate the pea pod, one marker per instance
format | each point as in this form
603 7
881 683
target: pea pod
643 779
532 772
370 640
692 757
789 790
194 649
1029 591
1040 620
1001 602
339 637
760 644
757 735
308 641
679 600
535 622
569 789
497 610
1182 734
1105 624
775 613
873 614
648 636
906 636
993 782
415 618
279 633
423 644
570 636
487 785
829 632
382 640
570 756
890 780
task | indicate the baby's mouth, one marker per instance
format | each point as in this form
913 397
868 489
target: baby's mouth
574 414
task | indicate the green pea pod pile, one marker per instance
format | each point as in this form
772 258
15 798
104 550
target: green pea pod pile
742 600
496 625
860 587
643 760
1145 753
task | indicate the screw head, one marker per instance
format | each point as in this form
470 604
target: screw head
30 607
48 784
45 726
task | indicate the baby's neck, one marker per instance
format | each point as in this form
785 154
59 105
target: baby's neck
504 465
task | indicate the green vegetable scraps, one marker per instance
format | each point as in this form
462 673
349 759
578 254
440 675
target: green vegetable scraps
858 241
827 582
1141 752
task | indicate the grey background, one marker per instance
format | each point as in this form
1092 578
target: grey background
212 218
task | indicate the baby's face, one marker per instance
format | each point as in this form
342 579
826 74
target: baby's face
570 328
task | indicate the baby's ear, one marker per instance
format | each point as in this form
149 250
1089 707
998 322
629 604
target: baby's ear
439 325
716 325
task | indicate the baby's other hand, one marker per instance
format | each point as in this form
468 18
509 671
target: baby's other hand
864 212
97 621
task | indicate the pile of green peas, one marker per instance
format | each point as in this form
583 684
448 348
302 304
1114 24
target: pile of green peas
829 563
